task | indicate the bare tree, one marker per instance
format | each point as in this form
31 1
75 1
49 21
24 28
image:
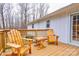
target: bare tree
7 14
43 7
1 12
33 11
24 15
39 10
28 12
46 7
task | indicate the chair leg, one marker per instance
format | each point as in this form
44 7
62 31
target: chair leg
30 48
57 40
30 51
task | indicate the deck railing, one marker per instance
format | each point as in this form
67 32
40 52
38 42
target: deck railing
24 33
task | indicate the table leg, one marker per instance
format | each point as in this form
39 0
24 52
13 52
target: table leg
30 43
41 45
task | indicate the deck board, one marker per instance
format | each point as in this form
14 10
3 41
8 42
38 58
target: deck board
66 51
54 50
59 50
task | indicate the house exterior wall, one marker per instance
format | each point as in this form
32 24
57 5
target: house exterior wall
29 26
60 25
42 25
38 25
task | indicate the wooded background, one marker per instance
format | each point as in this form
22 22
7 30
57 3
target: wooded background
19 14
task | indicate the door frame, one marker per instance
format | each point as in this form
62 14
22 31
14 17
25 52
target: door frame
73 42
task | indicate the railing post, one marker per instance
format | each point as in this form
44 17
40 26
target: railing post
2 38
35 33
3 41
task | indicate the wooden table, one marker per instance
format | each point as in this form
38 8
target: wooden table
40 42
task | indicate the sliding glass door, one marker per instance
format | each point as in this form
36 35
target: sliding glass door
75 28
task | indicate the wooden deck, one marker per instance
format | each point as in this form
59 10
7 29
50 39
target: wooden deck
50 50
53 50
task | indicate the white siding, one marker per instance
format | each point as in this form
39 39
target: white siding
61 27
29 26
42 25
36 26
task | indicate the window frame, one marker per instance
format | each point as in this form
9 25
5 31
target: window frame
48 24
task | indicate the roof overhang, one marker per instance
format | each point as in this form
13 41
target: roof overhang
66 10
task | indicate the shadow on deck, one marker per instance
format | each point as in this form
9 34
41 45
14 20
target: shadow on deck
54 50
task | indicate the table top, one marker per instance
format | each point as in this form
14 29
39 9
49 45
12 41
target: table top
41 38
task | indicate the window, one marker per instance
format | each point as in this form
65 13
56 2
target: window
32 25
74 17
77 19
75 26
48 24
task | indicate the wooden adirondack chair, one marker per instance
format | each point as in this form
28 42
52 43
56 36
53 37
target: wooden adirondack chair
17 44
51 37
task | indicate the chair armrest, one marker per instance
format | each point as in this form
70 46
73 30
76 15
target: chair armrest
27 39
54 35
13 45
24 38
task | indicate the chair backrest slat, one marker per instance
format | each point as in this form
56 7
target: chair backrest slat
50 32
20 38
15 37
51 36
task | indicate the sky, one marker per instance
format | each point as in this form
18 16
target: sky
56 6
52 6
